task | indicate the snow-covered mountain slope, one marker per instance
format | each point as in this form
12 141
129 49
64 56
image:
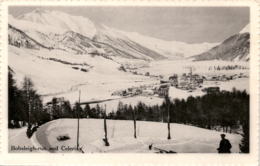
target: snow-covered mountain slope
56 22
72 41
120 41
170 49
47 26
19 39
235 48
246 29
50 28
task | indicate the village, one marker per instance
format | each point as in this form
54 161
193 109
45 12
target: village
186 81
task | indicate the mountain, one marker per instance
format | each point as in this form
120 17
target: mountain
245 29
50 28
170 49
234 48
55 22
117 39
18 38
79 35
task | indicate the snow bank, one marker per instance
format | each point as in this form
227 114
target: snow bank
185 139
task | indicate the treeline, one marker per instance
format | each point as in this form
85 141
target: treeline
228 110
225 111
24 104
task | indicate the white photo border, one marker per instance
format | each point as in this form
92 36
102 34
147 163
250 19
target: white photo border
133 159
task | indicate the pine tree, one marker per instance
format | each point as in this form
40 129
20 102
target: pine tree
13 97
66 110
77 111
86 111
28 90
244 145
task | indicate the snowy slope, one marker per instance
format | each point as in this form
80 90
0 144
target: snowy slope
20 39
59 22
234 48
58 77
185 139
170 49
246 29
120 41
52 27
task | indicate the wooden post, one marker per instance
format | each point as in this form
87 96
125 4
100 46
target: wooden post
169 128
105 128
29 103
134 123
162 115
78 109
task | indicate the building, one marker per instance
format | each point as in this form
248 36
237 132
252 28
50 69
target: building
148 92
190 81
211 90
55 101
162 90
174 80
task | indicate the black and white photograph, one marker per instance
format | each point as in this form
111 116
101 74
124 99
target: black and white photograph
129 79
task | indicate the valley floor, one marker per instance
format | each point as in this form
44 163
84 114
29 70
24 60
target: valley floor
55 79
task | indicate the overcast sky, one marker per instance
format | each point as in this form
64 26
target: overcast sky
187 24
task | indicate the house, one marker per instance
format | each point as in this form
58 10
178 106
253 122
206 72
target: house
148 92
223 78
147 74
163 90
174 80
189 81
211 90
164 81
55 101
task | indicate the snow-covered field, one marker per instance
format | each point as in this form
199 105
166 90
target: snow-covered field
61 80
169 67
240 84
185 138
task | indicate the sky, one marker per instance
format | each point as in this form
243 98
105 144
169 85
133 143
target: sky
186 24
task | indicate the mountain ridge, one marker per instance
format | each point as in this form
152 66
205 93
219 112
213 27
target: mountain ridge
37 22
234 48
